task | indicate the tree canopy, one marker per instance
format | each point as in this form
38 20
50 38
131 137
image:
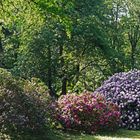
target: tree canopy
71 45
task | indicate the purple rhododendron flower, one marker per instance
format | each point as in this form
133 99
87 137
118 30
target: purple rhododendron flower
124 90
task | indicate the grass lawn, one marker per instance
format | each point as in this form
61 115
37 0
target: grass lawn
119 135
59 135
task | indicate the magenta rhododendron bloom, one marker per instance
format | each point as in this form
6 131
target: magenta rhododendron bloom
86 112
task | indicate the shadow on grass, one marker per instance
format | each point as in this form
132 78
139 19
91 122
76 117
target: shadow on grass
122 133
108 135
44 135
61 135
74 135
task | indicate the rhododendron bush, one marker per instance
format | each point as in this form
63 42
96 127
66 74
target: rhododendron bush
86 112
20 109
124 90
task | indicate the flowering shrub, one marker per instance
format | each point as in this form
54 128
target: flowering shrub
87 112
20 109
124 90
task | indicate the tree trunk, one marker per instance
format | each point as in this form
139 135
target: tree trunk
51 90
1 47
1 54
64 85
77 72
133 57
63 75
134 36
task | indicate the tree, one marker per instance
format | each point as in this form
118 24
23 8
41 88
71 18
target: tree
70 45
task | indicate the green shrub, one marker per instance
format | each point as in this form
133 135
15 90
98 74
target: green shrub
22 105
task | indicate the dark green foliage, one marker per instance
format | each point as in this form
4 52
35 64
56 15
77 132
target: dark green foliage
69 45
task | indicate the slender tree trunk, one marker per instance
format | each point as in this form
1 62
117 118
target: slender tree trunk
64 85
1 47
134 36
77 72
1 53
51 91
63 75
133 57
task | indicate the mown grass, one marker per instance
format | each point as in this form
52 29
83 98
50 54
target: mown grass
60 135
118 135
